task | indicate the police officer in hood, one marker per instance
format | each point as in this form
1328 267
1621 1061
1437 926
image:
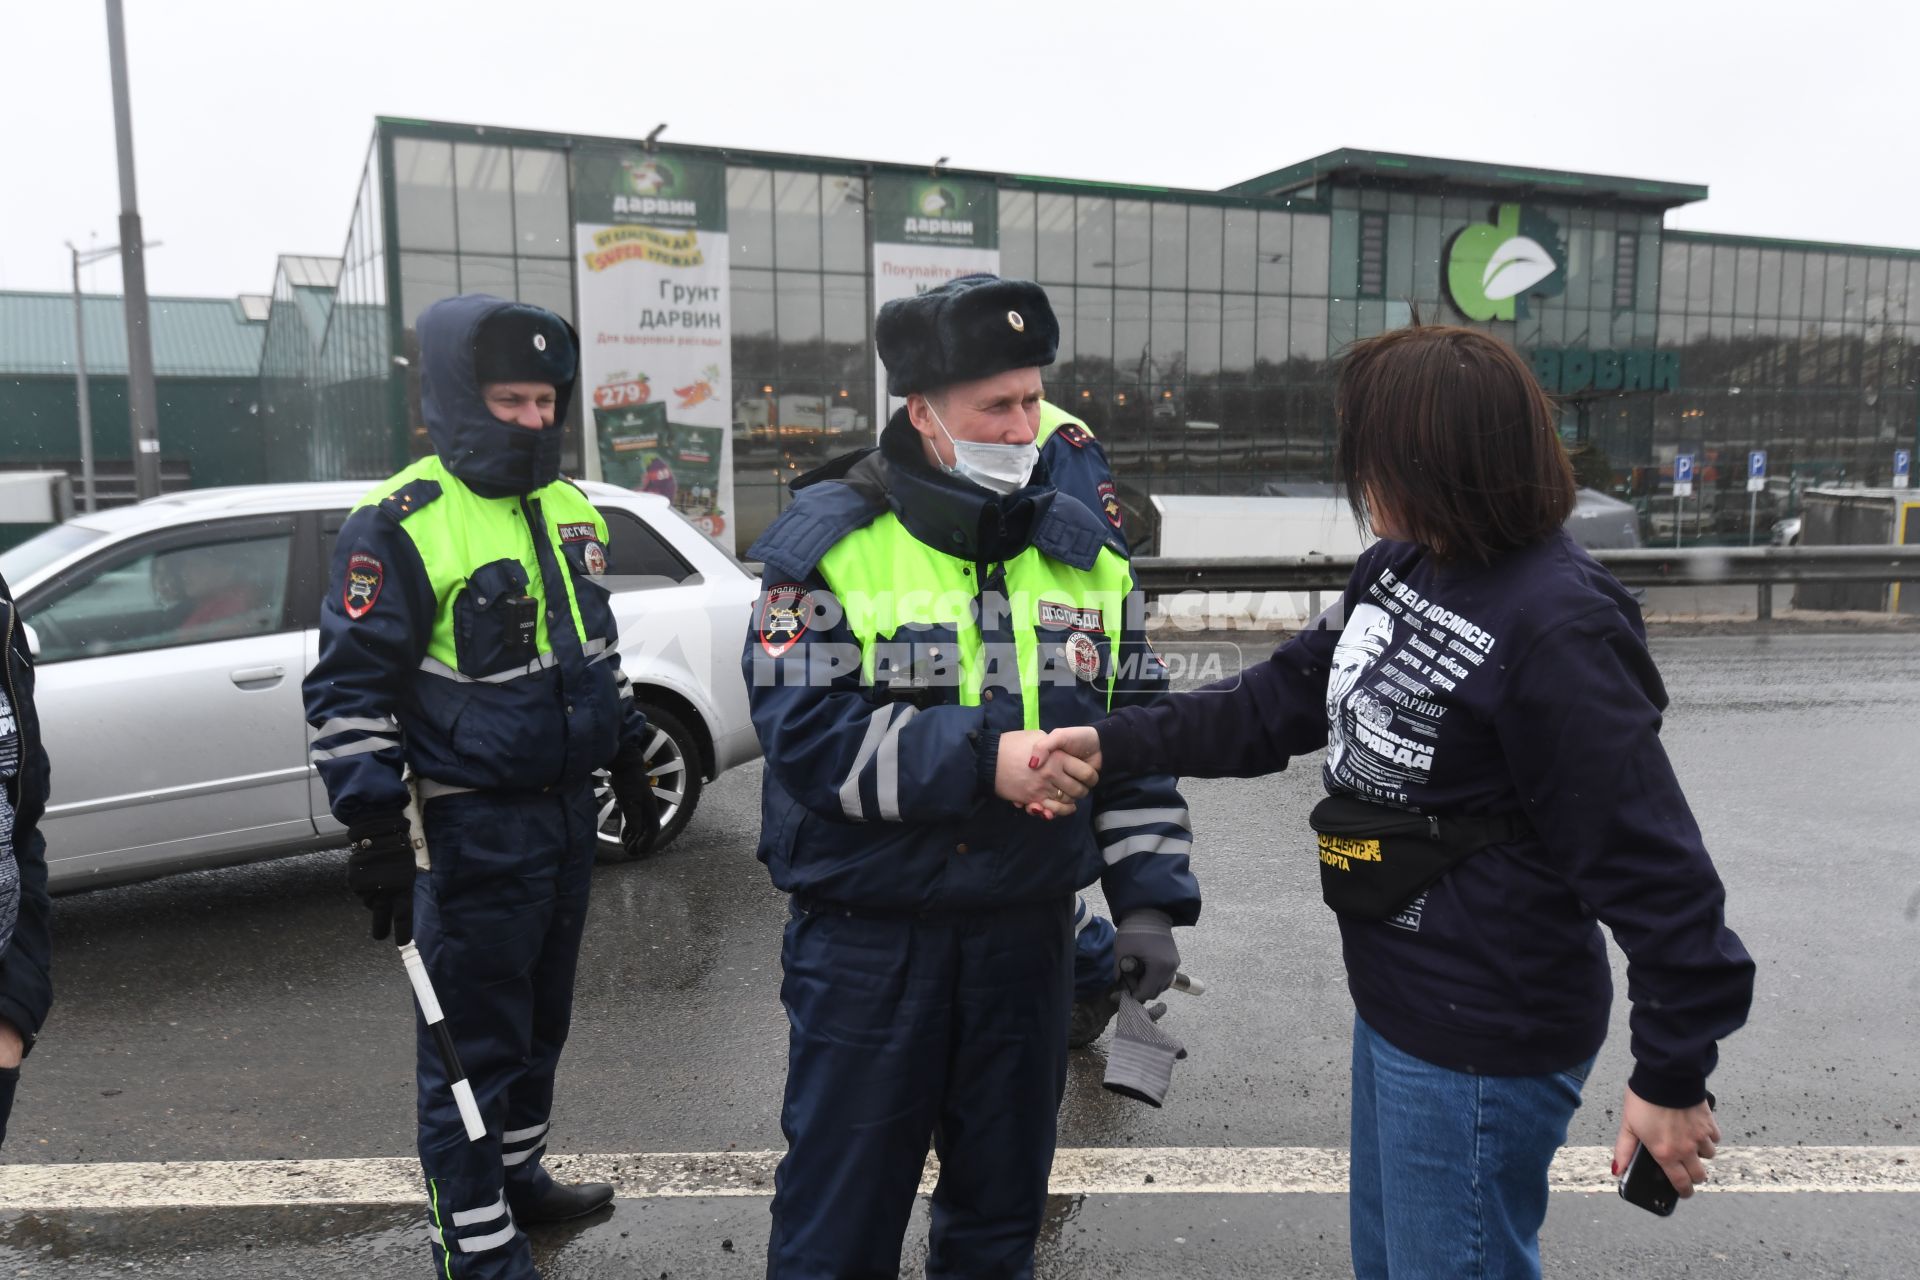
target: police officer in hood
928 606
469 665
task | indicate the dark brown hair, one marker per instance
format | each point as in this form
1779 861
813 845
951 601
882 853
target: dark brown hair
1447 431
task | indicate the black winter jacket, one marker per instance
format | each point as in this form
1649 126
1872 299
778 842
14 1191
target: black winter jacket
26 968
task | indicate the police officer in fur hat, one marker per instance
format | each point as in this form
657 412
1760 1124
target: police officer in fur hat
469 666
928 606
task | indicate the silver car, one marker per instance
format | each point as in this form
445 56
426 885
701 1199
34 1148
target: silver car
172 638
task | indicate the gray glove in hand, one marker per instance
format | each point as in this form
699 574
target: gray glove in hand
1148 959
1140 1061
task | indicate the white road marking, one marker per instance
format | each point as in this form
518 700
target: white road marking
1076 1171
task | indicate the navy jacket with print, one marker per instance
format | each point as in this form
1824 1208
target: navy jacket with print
1520 687
26 969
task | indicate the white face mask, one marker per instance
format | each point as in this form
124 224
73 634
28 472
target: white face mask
1001 468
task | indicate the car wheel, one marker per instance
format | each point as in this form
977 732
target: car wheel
673 760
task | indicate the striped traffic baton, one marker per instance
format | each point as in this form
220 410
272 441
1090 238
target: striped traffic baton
449 1056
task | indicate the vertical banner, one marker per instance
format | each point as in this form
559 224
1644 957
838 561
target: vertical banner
656 334
926 231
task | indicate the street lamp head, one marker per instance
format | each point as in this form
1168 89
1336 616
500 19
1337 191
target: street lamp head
97 253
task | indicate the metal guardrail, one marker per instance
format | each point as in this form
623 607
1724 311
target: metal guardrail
1762 567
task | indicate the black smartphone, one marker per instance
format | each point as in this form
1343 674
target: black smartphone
1646 1184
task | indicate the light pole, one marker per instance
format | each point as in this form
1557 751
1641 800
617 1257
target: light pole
82 258
143 401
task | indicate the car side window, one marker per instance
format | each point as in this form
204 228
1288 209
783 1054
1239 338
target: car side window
175 591
637 557
330 525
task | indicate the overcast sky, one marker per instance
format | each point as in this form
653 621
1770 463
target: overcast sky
251 117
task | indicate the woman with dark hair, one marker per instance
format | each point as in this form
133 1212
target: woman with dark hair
1496 791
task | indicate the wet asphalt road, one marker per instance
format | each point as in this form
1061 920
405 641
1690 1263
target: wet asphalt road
243 1014
1299 1237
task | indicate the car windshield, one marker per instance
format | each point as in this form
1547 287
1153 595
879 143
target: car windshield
36 553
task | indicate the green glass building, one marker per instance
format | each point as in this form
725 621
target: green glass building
1198 326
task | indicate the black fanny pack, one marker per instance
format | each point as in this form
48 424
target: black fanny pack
1374 860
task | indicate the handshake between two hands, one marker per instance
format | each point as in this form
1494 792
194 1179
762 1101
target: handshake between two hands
1043 774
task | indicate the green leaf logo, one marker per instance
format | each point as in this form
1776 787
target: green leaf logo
1492 266
1515 266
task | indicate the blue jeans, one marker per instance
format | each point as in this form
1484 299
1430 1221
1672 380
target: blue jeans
1449 1176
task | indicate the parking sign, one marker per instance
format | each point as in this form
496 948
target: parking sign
1683 475
1902 467
1757 471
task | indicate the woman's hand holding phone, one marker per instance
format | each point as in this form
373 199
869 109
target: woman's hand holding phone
1680 1140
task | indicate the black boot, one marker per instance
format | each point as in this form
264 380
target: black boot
1089 1019
559 1202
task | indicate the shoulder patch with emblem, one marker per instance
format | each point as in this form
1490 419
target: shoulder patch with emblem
365 576
781 617
1109 502
1084 654
1074 434
410 497
586 535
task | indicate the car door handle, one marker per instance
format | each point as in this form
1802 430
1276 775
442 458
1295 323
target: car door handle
258 675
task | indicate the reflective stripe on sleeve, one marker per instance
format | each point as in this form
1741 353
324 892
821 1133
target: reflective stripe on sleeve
886 767
352 749
1113 818
850 788
1146 844
362 724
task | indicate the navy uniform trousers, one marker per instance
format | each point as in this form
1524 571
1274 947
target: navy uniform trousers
498 922
904 1030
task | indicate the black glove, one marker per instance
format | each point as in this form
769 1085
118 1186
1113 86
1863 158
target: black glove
1148 958
633 792
380 870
